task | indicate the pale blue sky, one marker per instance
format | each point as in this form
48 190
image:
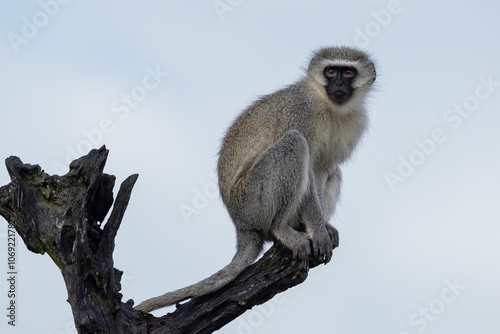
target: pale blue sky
159 83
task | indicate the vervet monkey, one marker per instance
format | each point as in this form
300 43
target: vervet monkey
278 167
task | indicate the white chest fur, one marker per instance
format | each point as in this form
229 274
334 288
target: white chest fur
337 137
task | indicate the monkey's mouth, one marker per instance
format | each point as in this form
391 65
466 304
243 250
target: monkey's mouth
338 96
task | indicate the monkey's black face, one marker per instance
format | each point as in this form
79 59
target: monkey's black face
339 87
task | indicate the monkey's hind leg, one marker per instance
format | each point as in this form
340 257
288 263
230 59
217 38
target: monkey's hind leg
330 199
277 184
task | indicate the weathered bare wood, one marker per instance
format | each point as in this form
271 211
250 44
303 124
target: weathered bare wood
62 216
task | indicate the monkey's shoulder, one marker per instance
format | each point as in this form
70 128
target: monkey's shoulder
289 104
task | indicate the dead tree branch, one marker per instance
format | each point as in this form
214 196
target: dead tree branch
63 215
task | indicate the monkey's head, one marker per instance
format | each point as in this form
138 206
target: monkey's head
344 72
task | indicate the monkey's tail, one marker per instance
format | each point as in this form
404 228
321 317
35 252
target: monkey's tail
248 248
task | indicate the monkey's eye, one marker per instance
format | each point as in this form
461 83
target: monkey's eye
331 73
349 73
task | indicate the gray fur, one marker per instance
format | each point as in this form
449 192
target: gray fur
278 169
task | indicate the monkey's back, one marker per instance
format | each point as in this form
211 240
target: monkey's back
258 127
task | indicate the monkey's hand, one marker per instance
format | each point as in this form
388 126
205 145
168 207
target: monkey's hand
324 239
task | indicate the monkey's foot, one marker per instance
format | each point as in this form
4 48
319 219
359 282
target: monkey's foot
301 250
334 235
324 240
297 242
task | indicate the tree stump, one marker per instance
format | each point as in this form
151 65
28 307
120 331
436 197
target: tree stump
63 217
